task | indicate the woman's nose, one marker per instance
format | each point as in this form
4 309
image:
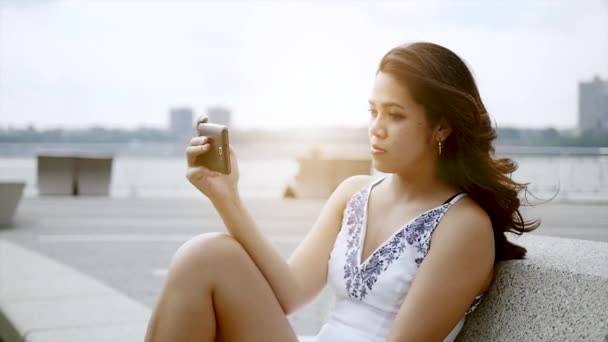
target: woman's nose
376 128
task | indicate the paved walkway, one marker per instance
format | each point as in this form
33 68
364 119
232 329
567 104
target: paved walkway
75 267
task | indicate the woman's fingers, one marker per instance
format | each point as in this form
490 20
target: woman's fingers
195 148
201 119
192 152
199 140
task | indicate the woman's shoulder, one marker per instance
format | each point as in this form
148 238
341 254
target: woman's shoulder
468 220
468 210
352 185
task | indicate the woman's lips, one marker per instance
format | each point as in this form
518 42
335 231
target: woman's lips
375 149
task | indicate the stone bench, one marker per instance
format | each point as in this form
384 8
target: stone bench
74 175
559 293
10 195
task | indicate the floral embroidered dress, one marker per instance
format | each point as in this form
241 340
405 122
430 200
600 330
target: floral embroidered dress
370 292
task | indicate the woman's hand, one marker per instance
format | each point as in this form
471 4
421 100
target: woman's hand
215 185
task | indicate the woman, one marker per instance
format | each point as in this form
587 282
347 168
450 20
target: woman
431 135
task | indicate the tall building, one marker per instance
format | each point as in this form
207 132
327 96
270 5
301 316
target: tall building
593 104
219 115
181 123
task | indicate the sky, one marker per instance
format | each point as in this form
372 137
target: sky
276 64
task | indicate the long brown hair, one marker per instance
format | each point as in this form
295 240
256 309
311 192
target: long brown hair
442 83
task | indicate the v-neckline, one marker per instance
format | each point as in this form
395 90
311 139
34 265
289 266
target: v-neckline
365 222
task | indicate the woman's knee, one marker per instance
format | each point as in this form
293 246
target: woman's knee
208 250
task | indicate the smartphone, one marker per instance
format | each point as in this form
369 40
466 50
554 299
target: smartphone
217 158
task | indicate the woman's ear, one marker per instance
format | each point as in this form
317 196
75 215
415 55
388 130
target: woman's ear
442 130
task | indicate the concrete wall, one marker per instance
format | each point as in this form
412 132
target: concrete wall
94 176
318 178
56 175
68 175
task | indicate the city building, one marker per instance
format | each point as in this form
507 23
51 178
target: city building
181 123
219 115
593 104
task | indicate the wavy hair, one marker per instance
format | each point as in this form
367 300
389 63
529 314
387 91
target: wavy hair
442 83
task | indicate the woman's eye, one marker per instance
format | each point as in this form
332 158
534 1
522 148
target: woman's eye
373 112
396 116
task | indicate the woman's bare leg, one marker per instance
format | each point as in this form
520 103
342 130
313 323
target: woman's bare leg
215 290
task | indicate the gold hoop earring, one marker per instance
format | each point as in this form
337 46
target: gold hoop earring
439 144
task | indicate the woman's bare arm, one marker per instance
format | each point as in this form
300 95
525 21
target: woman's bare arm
298 281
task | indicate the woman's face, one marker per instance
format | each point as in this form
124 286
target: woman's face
399 134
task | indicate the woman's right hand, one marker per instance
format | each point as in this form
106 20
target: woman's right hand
215 185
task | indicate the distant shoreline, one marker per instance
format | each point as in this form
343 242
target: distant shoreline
260 151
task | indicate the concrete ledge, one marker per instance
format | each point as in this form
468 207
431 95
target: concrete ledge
127 332
559 293
48 301
10 195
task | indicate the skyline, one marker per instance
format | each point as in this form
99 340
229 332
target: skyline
74 64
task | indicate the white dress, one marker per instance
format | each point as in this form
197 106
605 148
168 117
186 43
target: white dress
369 293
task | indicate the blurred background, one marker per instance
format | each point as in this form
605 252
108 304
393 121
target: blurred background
128 79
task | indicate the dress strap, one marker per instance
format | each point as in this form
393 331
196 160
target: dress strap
452 200
377 181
